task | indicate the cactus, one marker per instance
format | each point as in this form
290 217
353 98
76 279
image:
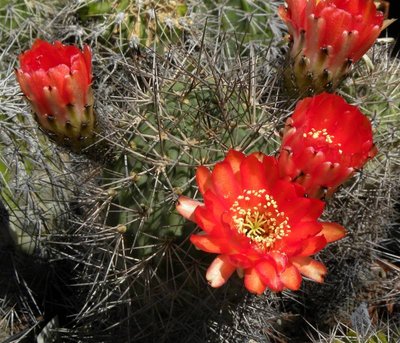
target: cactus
247 26
131 24
129 270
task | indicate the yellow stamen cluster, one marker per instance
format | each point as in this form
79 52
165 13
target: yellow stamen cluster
263 223
322 134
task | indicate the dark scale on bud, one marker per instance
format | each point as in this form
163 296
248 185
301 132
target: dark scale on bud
329 86
310 75
68 124
325 50
326 73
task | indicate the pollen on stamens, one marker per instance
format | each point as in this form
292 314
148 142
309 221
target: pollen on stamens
316 134
263 223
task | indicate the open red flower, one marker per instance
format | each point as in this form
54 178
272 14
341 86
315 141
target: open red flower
56 79
258 224
327 37
324 142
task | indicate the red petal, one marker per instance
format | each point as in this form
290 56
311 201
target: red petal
234 158
208 243
186 207
269 276
56 76
287 168
333 231
270 165
280 260
291 278
203 179
216 204
253 282
240 261
304 230
310 268
205 219
303 209
282 191
312 245
219 271
253 174
225 183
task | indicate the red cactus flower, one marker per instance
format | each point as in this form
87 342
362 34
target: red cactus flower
258 224
324 142
56 80
327 37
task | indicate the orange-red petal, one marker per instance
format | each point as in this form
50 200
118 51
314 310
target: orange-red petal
269 275
310 268
224 182
253 174
208 243
203 179
219 271
291 278
253 281
186 207
234 158
333 231
312 245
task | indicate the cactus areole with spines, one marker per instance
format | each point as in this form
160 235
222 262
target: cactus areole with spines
258 224
324 142
327 37
56 79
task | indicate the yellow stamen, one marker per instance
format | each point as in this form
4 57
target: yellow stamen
316 134
264 224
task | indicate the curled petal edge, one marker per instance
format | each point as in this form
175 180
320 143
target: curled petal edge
310 268
219 271
333 232
186 207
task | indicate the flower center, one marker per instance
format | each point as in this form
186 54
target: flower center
255 214
322 135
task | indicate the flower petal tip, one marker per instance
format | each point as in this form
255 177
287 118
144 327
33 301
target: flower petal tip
333 232
186 207
219 271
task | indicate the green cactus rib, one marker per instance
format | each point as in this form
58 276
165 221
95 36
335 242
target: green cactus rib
246 24
180 129
132 24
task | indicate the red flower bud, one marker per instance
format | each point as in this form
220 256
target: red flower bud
327 36
56 80
324 141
